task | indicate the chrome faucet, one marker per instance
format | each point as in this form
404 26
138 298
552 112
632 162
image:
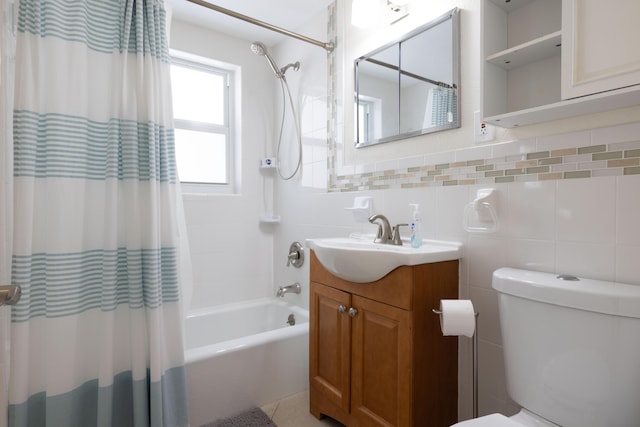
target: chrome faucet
386 234
384 228
291 289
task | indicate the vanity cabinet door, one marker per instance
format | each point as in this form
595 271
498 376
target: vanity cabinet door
599 46
330 344
381 364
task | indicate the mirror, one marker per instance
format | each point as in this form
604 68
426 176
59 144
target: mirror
411 86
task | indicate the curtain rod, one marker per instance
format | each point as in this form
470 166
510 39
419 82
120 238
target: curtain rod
407 73
327 46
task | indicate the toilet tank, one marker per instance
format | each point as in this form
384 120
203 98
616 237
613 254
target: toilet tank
571 348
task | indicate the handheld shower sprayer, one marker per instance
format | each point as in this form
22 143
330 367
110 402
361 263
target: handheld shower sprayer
260 49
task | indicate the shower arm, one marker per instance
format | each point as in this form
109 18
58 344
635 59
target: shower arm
326 46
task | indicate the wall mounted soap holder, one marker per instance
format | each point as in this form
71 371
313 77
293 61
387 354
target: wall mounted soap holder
362 208
480 216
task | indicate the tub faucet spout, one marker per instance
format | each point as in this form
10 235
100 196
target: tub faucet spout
291 289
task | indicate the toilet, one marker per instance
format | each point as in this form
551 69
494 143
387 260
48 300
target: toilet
571 351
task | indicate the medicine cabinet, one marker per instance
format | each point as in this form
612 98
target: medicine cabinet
411 86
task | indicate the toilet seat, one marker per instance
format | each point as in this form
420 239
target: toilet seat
523 418
493 420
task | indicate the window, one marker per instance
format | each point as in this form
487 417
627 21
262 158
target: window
368 111
364 121
202 108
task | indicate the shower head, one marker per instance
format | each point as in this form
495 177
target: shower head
260 49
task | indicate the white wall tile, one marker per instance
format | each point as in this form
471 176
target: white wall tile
595 261
627 265
491 378
473 153
565 140
484 254
396 203
450 203
439 158
485 302
586 210
536 255
426 198
530 210
409 162
615 134
628 210
386 165
513 148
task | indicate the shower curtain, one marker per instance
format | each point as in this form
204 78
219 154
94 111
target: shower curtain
7 46
96 339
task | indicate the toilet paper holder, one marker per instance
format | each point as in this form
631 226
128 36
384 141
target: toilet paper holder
474 356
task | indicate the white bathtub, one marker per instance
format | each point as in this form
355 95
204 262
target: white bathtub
243 355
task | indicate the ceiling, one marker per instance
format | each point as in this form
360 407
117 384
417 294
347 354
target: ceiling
286 14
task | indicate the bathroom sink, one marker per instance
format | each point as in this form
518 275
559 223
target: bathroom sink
358 259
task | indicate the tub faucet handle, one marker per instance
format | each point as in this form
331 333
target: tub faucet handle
296 255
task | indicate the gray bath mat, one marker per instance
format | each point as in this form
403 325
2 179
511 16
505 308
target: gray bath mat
251 418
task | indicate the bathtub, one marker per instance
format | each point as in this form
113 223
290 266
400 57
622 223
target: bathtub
243 355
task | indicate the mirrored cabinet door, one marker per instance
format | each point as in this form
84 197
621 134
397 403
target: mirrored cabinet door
409 87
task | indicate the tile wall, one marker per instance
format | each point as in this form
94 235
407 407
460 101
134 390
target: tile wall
566 203
583 226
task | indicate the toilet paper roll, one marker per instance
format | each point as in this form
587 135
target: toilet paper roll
457 317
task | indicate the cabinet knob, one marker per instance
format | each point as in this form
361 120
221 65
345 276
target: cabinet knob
342 309
353 312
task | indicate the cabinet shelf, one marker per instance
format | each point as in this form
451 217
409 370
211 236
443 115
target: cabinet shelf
544 61
270 219
529 52
510 5
620 98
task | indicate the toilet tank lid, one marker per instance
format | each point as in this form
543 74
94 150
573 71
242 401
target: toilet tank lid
599 296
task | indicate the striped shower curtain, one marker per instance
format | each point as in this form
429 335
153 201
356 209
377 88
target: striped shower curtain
96 339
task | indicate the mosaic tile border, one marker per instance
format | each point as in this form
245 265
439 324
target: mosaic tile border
614 159
332 80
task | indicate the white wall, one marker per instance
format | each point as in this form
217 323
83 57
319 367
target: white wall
585 227
232 253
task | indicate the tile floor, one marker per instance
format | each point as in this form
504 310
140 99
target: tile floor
293 411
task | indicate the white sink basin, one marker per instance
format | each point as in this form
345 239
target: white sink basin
359 260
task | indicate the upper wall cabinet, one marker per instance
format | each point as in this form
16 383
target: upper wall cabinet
550 59
600 45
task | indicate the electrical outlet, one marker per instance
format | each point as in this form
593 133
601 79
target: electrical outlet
482 132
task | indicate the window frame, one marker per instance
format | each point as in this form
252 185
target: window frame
371 108
228 128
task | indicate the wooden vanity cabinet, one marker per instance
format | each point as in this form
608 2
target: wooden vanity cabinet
377 354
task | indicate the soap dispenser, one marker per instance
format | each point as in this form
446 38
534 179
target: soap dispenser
416 226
